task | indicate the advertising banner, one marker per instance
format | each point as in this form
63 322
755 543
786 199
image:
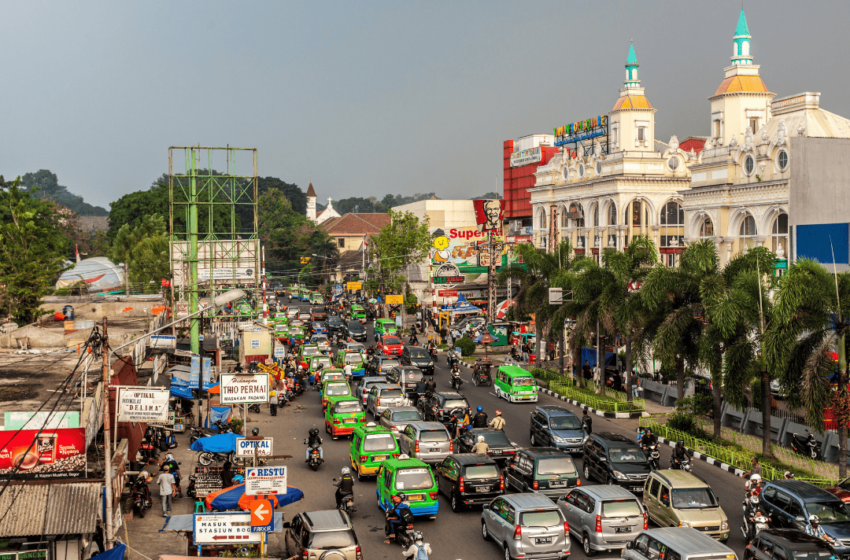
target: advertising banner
244 388
354 286
265 480
194 366
143 404
395 300
488 215
40 420
224 528
456 246
246 447
163 341
30 454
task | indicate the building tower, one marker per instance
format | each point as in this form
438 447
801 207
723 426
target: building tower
632 120
311 203
742 101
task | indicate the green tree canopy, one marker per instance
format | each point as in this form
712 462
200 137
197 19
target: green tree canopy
402 242
45 184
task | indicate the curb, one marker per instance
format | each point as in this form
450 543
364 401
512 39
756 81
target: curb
602 413
705 458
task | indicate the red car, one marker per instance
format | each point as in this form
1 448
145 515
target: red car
390 346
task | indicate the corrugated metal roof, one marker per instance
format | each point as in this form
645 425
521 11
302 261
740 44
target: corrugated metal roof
49 509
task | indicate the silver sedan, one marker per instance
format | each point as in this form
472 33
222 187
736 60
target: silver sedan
397 419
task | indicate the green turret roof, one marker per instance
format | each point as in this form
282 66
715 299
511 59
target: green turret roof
632 59
742 29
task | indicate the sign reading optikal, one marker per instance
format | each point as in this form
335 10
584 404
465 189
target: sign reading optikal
142 404
247 447
244 388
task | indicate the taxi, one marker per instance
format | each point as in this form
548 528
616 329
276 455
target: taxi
314 361
391 346
385 327
296 332
358 313
371 445
342 415
334 388
410 477
515 384
332 373
354 359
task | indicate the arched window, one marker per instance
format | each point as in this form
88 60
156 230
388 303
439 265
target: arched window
576 215
672 231
612 215
541 219
637 214
596 215
747 234
706 229
779 236
565 220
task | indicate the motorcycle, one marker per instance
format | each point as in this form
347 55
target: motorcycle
433 353
808 445
683 464
191 492
452 358
255 408
404 532
141 495
207 458
653 455
456 382
315 460
753 523
198 433
346 504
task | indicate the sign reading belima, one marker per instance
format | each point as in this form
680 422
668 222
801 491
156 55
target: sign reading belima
143 404
244 389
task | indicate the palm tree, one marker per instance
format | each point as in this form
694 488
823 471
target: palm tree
813 319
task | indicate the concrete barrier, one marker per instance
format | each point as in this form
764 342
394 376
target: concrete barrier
731 417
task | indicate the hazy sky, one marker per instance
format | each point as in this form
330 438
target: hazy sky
370 97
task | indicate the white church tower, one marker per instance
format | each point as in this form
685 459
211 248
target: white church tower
311 203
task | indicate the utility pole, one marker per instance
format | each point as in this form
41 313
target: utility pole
192 254
265 306
491 281
107 447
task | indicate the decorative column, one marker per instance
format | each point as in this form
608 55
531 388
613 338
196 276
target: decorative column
655 236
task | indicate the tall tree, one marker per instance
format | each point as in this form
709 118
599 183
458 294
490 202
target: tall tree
813 319
401 243
143 250
33 244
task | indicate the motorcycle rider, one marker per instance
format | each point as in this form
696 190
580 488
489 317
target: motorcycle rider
480 447
432 349
648 440
418 550
456 380
395 517
497 423
413 341
753 485
452 426
480 418
679 454
814 529
586 422
344 486
314 439
430 387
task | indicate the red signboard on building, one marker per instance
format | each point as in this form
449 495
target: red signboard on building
30 454
447 293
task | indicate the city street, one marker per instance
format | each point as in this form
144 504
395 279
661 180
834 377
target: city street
451 535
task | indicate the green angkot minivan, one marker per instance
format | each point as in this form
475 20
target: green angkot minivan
342 415
410 477
515 384
371 445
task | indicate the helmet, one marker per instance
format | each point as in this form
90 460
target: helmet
480 409
345 470
314 431
417 536
239 479
402 496
814 520
255 432
480 438
680 442
498 413
756 478
789 475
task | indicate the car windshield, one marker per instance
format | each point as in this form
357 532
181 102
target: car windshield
822 553
564 423
310 351
522 381
419 353
353 359
407 416
413 479
324 360
627 455
347 407
434 435
389 363
334 320
561 465
828 512
621 508
391 341
479 472
332 540
332 375
355 326
379 442
545 518
497 438
391 393
451 404
338 389
693 498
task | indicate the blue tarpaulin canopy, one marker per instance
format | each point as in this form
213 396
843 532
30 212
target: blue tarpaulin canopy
461 306
181 388
589 354
115 553
216 413
229 499
221 443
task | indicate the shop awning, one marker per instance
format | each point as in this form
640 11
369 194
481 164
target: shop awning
49 509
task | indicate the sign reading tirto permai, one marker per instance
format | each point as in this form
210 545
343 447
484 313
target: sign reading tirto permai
244 388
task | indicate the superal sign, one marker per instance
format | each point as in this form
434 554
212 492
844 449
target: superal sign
581 130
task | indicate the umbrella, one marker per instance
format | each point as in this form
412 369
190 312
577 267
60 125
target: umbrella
502 308
221 443
215 389
236 498
373 300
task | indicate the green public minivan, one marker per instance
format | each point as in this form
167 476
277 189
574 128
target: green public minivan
385 326
343 414
358 313
410 477
515 384
371 445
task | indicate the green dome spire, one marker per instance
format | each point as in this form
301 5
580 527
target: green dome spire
741 49
632 79
742 29
632 59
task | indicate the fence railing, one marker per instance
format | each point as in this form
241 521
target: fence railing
613 401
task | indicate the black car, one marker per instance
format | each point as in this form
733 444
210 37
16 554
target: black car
788 543
501 448
469 479
405 376
614 459
335 324
381 364
439 407
546 470
419 357
355 330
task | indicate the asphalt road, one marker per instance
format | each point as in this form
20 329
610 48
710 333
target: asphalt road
451 535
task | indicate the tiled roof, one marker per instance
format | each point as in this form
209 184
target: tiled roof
741 83
356 224
49 509
310 191
632 102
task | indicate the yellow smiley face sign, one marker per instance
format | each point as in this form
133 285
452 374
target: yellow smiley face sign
439 252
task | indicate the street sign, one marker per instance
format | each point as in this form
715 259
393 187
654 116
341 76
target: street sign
354 286
447 293
143 404
555 296
244 388
163 341
245 447
265 480
262 516
395 300
224 528
305 260
279 351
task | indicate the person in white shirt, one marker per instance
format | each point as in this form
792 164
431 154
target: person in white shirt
165 481
418 550
348 372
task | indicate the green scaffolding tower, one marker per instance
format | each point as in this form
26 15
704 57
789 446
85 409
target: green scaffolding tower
213 223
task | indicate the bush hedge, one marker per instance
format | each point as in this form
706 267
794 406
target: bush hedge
466 345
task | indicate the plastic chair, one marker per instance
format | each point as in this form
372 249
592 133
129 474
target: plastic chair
199 505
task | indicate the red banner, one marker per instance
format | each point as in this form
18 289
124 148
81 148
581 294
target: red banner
59 453
447 293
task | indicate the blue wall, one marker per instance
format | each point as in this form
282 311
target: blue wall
813 242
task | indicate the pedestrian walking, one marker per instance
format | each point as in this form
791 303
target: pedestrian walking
586 371
636 387
166 484
525 352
